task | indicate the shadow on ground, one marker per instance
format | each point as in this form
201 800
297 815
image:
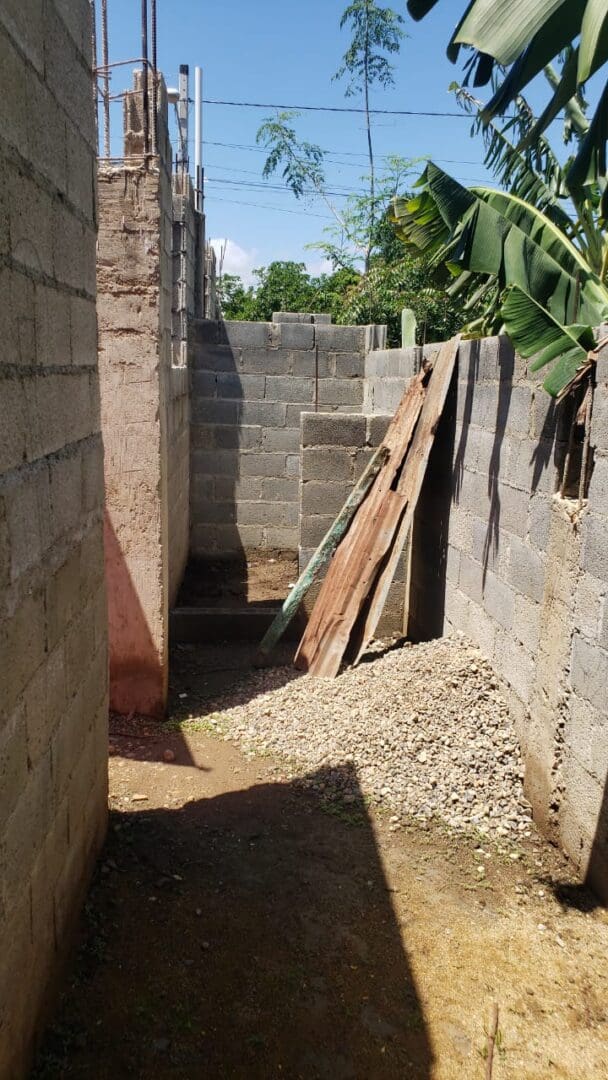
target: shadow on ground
245 935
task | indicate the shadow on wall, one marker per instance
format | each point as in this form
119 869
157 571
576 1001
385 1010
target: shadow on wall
219 430
430 531
137 672
256 938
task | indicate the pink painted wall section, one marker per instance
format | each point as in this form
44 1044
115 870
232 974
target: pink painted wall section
138 674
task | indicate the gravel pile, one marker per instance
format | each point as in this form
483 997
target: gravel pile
422 729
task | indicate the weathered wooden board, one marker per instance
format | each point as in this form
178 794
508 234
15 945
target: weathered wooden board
355 564
410 485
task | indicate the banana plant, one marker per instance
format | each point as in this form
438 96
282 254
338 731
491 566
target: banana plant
532 280
538 271
520 39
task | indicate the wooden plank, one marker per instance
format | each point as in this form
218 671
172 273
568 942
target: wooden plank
410 486
356 561
323 553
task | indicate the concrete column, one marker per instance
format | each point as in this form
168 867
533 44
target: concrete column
134 286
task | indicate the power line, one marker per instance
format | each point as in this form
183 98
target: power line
266 206
336 109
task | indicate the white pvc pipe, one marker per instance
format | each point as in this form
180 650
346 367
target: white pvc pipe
198 135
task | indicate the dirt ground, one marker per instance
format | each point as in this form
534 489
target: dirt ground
236 928
260 577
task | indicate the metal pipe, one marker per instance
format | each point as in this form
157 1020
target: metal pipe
182 116
145 75
106 78
198 136
154 80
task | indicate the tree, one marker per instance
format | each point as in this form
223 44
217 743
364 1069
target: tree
538 272
376 31
525 36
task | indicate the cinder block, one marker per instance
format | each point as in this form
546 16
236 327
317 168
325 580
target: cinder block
246 387
245 335
291 317
539 522
325 429
584 737
22 647
304 365
598 488
313 528
324 498
377 427
204 384
219 462
211 411
327 463
264 361
63 597
278 490
297 336
285 439
281 539
13 763
258 464
204 332
526 571
24 834
341 392
263 413
471 578
340 338
212 357
267 513
515 664
527 623
589 672
513 509
529 465
289 389
348 365
292 465
498 600
595 548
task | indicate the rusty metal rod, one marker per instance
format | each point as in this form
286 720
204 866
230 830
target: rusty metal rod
145 75
94 66
154 80
106 78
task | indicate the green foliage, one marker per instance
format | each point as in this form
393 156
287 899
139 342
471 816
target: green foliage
350 297
525 36
375 31
301 162
494 242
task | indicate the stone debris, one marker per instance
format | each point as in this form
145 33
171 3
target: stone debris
423 730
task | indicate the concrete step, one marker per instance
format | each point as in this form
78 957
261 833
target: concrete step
213 625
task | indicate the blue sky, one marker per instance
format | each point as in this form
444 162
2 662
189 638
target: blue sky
278 51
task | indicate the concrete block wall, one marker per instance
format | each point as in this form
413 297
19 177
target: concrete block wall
250 384
53 638
145 412
499 555
335 451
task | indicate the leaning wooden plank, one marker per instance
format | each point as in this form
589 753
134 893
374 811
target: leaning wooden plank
323 553
357 558
410 486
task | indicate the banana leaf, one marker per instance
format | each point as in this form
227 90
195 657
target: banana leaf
534 332
490 232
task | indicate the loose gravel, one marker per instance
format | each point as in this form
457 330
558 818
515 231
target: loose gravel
423 730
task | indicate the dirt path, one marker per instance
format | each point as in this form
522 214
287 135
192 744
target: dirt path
235 929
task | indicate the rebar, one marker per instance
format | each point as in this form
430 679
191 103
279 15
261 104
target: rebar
154 80
94 65
106 78
145 75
